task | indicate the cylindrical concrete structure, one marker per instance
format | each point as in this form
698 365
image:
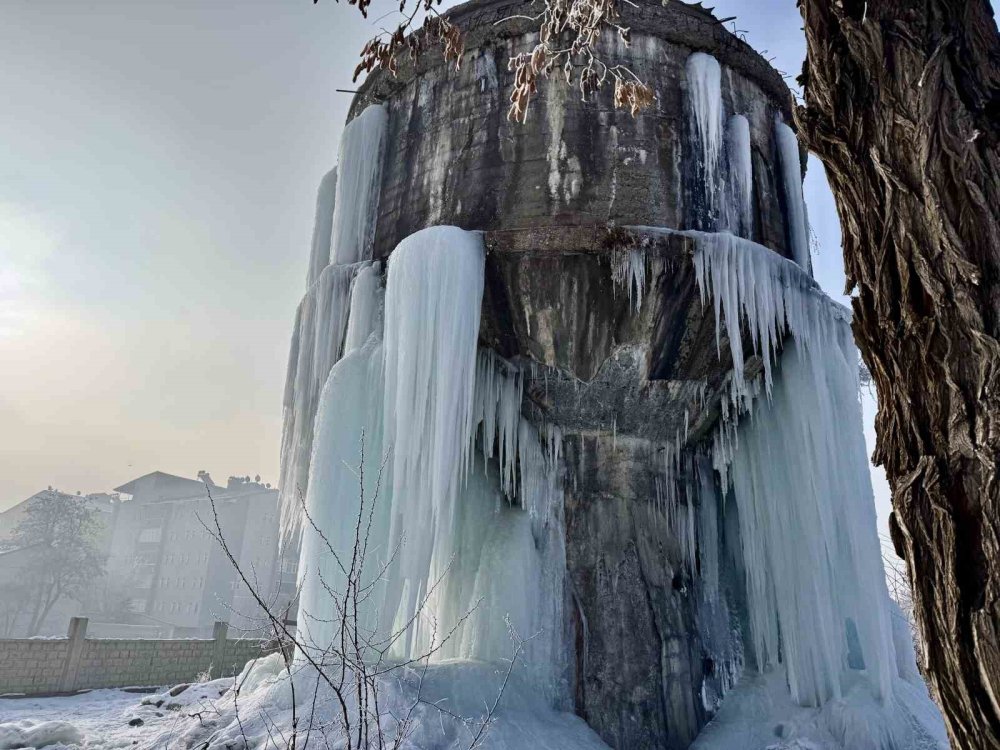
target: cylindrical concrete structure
454 158
622 381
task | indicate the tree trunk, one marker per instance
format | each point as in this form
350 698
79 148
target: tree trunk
903 107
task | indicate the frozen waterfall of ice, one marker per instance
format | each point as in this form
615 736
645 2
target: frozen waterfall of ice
349 411
359 179
319 255
739 195
724 165
366 306
819 608
317 339
432 306
704 78
468 487
748 282
815 502
790 163
346 209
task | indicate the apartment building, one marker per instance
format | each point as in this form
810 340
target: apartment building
166 547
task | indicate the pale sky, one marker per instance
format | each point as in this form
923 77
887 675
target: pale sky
157 186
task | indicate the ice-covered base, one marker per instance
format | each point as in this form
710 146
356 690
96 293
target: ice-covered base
28 733
438 708
454 699
759 714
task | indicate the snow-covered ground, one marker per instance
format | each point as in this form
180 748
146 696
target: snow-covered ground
760 715
100 718
441 708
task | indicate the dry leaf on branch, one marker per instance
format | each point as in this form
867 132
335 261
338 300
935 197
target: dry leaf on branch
568 33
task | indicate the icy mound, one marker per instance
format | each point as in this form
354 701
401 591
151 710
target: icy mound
760 715
38 734
445 706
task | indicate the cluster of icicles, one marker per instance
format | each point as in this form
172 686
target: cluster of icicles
420 436
341 244
724 169
788 452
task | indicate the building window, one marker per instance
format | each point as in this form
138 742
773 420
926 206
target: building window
150 535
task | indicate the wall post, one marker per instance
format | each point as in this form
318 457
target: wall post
220 634
77 634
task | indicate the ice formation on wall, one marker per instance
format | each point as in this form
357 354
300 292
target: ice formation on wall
791 185
346 208
317 339
461 495
723 167
319 256
818 604
359 179
350 410
704 78
628 269
448 515
748 281
817 502
432 305
798 509
366 305
739 187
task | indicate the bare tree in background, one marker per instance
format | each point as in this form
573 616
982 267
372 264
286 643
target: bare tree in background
14 597
57 540
898 582
108 598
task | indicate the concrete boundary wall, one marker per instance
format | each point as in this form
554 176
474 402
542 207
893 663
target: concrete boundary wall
31 666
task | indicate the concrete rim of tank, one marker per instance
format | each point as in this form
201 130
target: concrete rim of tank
676 22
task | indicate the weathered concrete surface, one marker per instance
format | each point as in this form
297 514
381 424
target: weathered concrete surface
621 384
637 652
454 158
551 299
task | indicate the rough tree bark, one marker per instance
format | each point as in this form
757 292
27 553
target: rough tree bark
902 104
